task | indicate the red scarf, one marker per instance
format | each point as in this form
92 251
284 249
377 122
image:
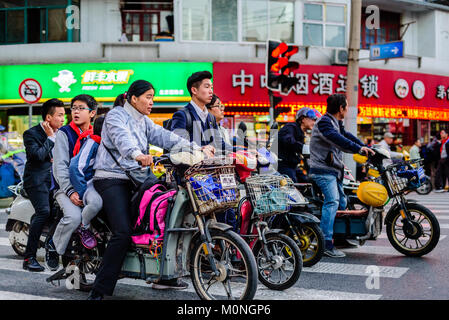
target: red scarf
96 138
81 136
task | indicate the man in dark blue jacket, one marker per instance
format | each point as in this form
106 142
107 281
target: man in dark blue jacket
291 142
202 127
329 141
37 178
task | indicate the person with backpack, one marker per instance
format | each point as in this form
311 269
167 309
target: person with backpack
194 123
39 142
123 153
69 140
81 177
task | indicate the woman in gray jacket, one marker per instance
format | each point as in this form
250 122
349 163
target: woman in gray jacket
127 132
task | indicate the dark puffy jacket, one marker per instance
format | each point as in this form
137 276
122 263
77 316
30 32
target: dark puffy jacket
291 141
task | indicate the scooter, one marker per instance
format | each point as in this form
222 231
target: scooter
278 257
20 213
412 229
298 223
194 242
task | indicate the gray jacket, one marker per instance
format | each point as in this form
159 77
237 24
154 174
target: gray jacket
128 133
329 141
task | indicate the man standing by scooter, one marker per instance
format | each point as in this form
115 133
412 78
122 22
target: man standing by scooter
39 141
329 141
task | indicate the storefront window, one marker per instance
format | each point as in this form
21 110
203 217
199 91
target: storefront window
324 24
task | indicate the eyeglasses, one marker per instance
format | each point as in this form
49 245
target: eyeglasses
220 106
79 108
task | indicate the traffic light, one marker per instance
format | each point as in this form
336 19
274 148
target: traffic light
279 66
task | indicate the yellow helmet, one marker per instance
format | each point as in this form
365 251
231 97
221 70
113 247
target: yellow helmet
359 158
372 193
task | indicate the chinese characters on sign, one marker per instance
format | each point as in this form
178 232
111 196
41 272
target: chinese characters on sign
442 93
322 83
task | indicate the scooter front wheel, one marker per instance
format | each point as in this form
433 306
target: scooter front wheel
237 279
283 268
415 236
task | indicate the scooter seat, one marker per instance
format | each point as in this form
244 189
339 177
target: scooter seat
352 213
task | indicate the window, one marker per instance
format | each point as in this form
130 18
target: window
147 21
35 21
207 20
196 20
390 24
324 25
255 20
219 20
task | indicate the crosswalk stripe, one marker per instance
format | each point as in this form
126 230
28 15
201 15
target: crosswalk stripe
444 225
10 295
375 250
262 291
4 241
299 293
355 269
2 226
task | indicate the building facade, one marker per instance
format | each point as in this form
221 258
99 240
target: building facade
101 46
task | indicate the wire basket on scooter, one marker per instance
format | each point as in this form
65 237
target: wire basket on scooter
267 196
214 185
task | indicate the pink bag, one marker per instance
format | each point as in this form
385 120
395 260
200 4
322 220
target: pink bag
152 211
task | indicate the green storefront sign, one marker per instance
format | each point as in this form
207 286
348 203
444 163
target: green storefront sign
104 81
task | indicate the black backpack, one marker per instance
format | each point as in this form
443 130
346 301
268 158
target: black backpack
167 123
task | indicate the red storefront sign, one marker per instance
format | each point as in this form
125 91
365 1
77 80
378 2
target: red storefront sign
382 93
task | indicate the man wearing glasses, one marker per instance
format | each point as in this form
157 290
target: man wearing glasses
69 140
291 142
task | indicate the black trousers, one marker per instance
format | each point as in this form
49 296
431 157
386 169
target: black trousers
442 174
116 195
40 198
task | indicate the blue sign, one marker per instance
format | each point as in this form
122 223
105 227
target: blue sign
387 50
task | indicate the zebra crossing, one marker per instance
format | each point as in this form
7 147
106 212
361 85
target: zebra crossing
315 283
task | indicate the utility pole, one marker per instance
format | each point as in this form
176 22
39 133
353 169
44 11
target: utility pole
352 81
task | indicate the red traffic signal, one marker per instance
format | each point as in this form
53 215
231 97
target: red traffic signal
279 67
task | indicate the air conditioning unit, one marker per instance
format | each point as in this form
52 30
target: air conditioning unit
340 57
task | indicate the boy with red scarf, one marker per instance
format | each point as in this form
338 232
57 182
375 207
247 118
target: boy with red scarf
69 141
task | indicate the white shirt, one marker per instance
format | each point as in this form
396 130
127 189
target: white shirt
202 114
